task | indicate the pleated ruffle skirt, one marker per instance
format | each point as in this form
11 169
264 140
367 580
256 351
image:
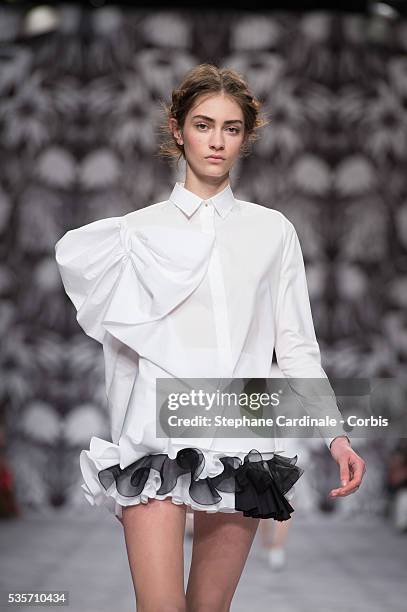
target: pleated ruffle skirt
247 483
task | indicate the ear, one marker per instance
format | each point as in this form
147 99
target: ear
176 131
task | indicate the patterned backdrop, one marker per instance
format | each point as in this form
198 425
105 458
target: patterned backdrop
79 114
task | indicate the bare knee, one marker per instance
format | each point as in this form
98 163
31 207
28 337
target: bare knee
205 604
208 607
163 607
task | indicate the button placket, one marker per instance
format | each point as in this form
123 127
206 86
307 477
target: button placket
217 286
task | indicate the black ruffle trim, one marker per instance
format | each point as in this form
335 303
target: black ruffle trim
259 485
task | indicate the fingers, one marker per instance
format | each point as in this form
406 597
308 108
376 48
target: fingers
343 491
358 468
354 469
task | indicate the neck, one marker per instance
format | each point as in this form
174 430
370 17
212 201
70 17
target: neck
205 187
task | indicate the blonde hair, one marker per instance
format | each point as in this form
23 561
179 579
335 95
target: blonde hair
201 80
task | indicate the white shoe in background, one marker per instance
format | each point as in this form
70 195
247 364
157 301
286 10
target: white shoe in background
276 558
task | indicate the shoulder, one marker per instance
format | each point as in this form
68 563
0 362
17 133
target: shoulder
271 217
115 223
146 214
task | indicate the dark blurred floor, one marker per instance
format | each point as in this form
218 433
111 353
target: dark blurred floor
334 564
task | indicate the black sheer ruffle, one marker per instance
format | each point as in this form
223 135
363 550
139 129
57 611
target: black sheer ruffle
259 485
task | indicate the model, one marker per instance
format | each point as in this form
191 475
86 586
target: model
200 285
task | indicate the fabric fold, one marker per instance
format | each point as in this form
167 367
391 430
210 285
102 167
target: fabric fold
126 280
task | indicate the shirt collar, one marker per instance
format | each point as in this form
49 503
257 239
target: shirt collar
188 201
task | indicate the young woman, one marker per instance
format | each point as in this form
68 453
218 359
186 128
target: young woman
200 285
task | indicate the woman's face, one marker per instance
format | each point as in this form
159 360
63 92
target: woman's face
214 126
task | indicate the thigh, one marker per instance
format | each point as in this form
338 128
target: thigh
221 545
154 536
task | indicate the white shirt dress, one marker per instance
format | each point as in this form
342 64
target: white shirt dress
190 288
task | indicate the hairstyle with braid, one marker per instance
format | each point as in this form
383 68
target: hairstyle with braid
202 80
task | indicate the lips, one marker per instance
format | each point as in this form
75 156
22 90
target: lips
214 157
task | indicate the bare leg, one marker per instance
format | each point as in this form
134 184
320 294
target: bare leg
273 539
154 535
280 533
189 525
266 530
221 545
274 533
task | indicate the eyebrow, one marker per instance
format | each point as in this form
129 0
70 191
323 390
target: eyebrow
212 120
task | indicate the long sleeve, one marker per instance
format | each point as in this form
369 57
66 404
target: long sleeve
296 346
91 260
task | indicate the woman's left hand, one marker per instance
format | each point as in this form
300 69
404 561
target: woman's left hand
351 467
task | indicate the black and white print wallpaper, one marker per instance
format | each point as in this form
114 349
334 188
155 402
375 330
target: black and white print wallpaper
79 111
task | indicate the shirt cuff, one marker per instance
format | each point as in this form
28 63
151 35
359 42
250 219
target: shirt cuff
329 440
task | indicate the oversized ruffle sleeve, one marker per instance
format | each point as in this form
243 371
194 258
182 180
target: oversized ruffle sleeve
125 280
297 350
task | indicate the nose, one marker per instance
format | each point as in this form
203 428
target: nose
217 140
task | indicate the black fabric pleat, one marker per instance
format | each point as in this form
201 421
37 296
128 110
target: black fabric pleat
259 485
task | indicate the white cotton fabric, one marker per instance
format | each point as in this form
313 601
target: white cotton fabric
186 288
